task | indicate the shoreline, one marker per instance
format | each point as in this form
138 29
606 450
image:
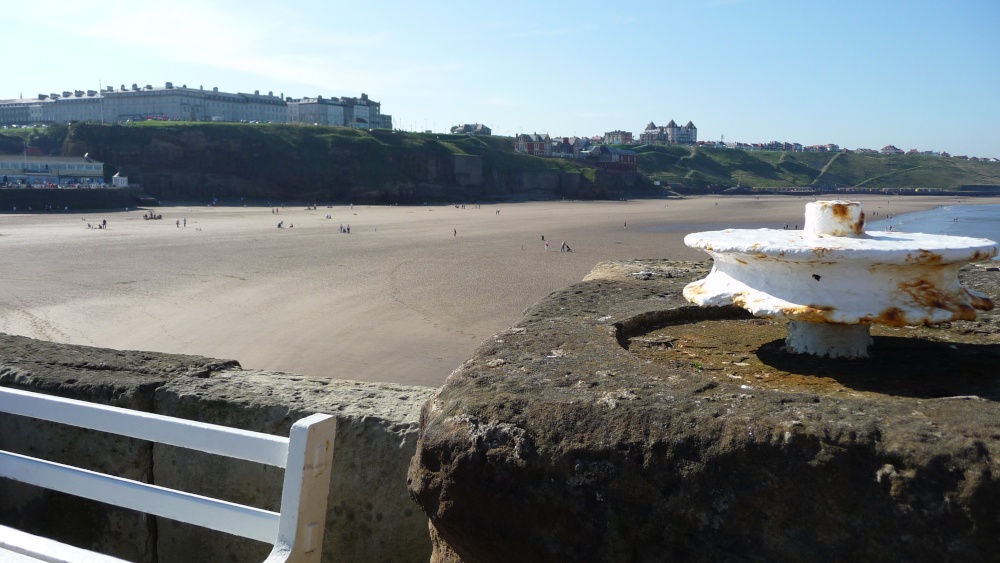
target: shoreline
405 298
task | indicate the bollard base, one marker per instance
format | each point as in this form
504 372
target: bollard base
828 339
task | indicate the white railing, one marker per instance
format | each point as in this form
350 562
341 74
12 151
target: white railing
296 531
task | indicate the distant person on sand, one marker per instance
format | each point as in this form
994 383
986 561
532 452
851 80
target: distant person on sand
178 223
104 223
456 232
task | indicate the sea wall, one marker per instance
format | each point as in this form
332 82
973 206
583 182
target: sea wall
23 200
370 516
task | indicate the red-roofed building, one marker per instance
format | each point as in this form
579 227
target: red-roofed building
533 144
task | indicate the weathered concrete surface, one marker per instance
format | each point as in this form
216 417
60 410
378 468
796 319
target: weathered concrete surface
559 441
109 377
371 517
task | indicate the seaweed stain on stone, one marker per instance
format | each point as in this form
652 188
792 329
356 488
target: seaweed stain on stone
911 361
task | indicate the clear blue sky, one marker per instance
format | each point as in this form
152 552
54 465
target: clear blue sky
913 73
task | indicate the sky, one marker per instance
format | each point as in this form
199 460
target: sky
916 74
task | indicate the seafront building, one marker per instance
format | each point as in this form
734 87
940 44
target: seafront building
53 171
474 129
619 137
669 134
180 103
533 144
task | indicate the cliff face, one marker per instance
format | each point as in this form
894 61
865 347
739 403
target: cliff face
287 162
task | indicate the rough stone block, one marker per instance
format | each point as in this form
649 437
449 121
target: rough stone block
616 423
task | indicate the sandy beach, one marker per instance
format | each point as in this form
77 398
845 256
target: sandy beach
405 297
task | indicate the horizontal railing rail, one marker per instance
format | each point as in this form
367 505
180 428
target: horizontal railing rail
295 533
220 515
212 438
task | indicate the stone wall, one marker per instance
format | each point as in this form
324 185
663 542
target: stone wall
370 517
615 422
39 199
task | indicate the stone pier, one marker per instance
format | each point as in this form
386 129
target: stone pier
616 422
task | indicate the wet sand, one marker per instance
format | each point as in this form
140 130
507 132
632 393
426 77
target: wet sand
405 297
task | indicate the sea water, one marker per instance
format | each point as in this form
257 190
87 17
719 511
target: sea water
961 220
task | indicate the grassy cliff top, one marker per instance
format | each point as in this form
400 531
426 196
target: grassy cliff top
380 155
729 167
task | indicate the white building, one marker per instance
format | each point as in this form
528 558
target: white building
670 134
190 104
54 170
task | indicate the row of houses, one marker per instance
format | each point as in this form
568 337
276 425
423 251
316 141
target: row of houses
772 146
831 147
578 148
169 102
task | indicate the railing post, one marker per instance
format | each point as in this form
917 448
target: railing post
305 490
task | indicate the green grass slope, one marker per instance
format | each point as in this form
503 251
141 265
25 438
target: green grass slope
181 160
701 167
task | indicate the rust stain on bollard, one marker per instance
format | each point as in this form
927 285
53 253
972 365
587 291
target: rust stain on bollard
840 279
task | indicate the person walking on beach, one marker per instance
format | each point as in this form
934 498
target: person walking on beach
456 232
104 222
178 223
546 246
185 222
